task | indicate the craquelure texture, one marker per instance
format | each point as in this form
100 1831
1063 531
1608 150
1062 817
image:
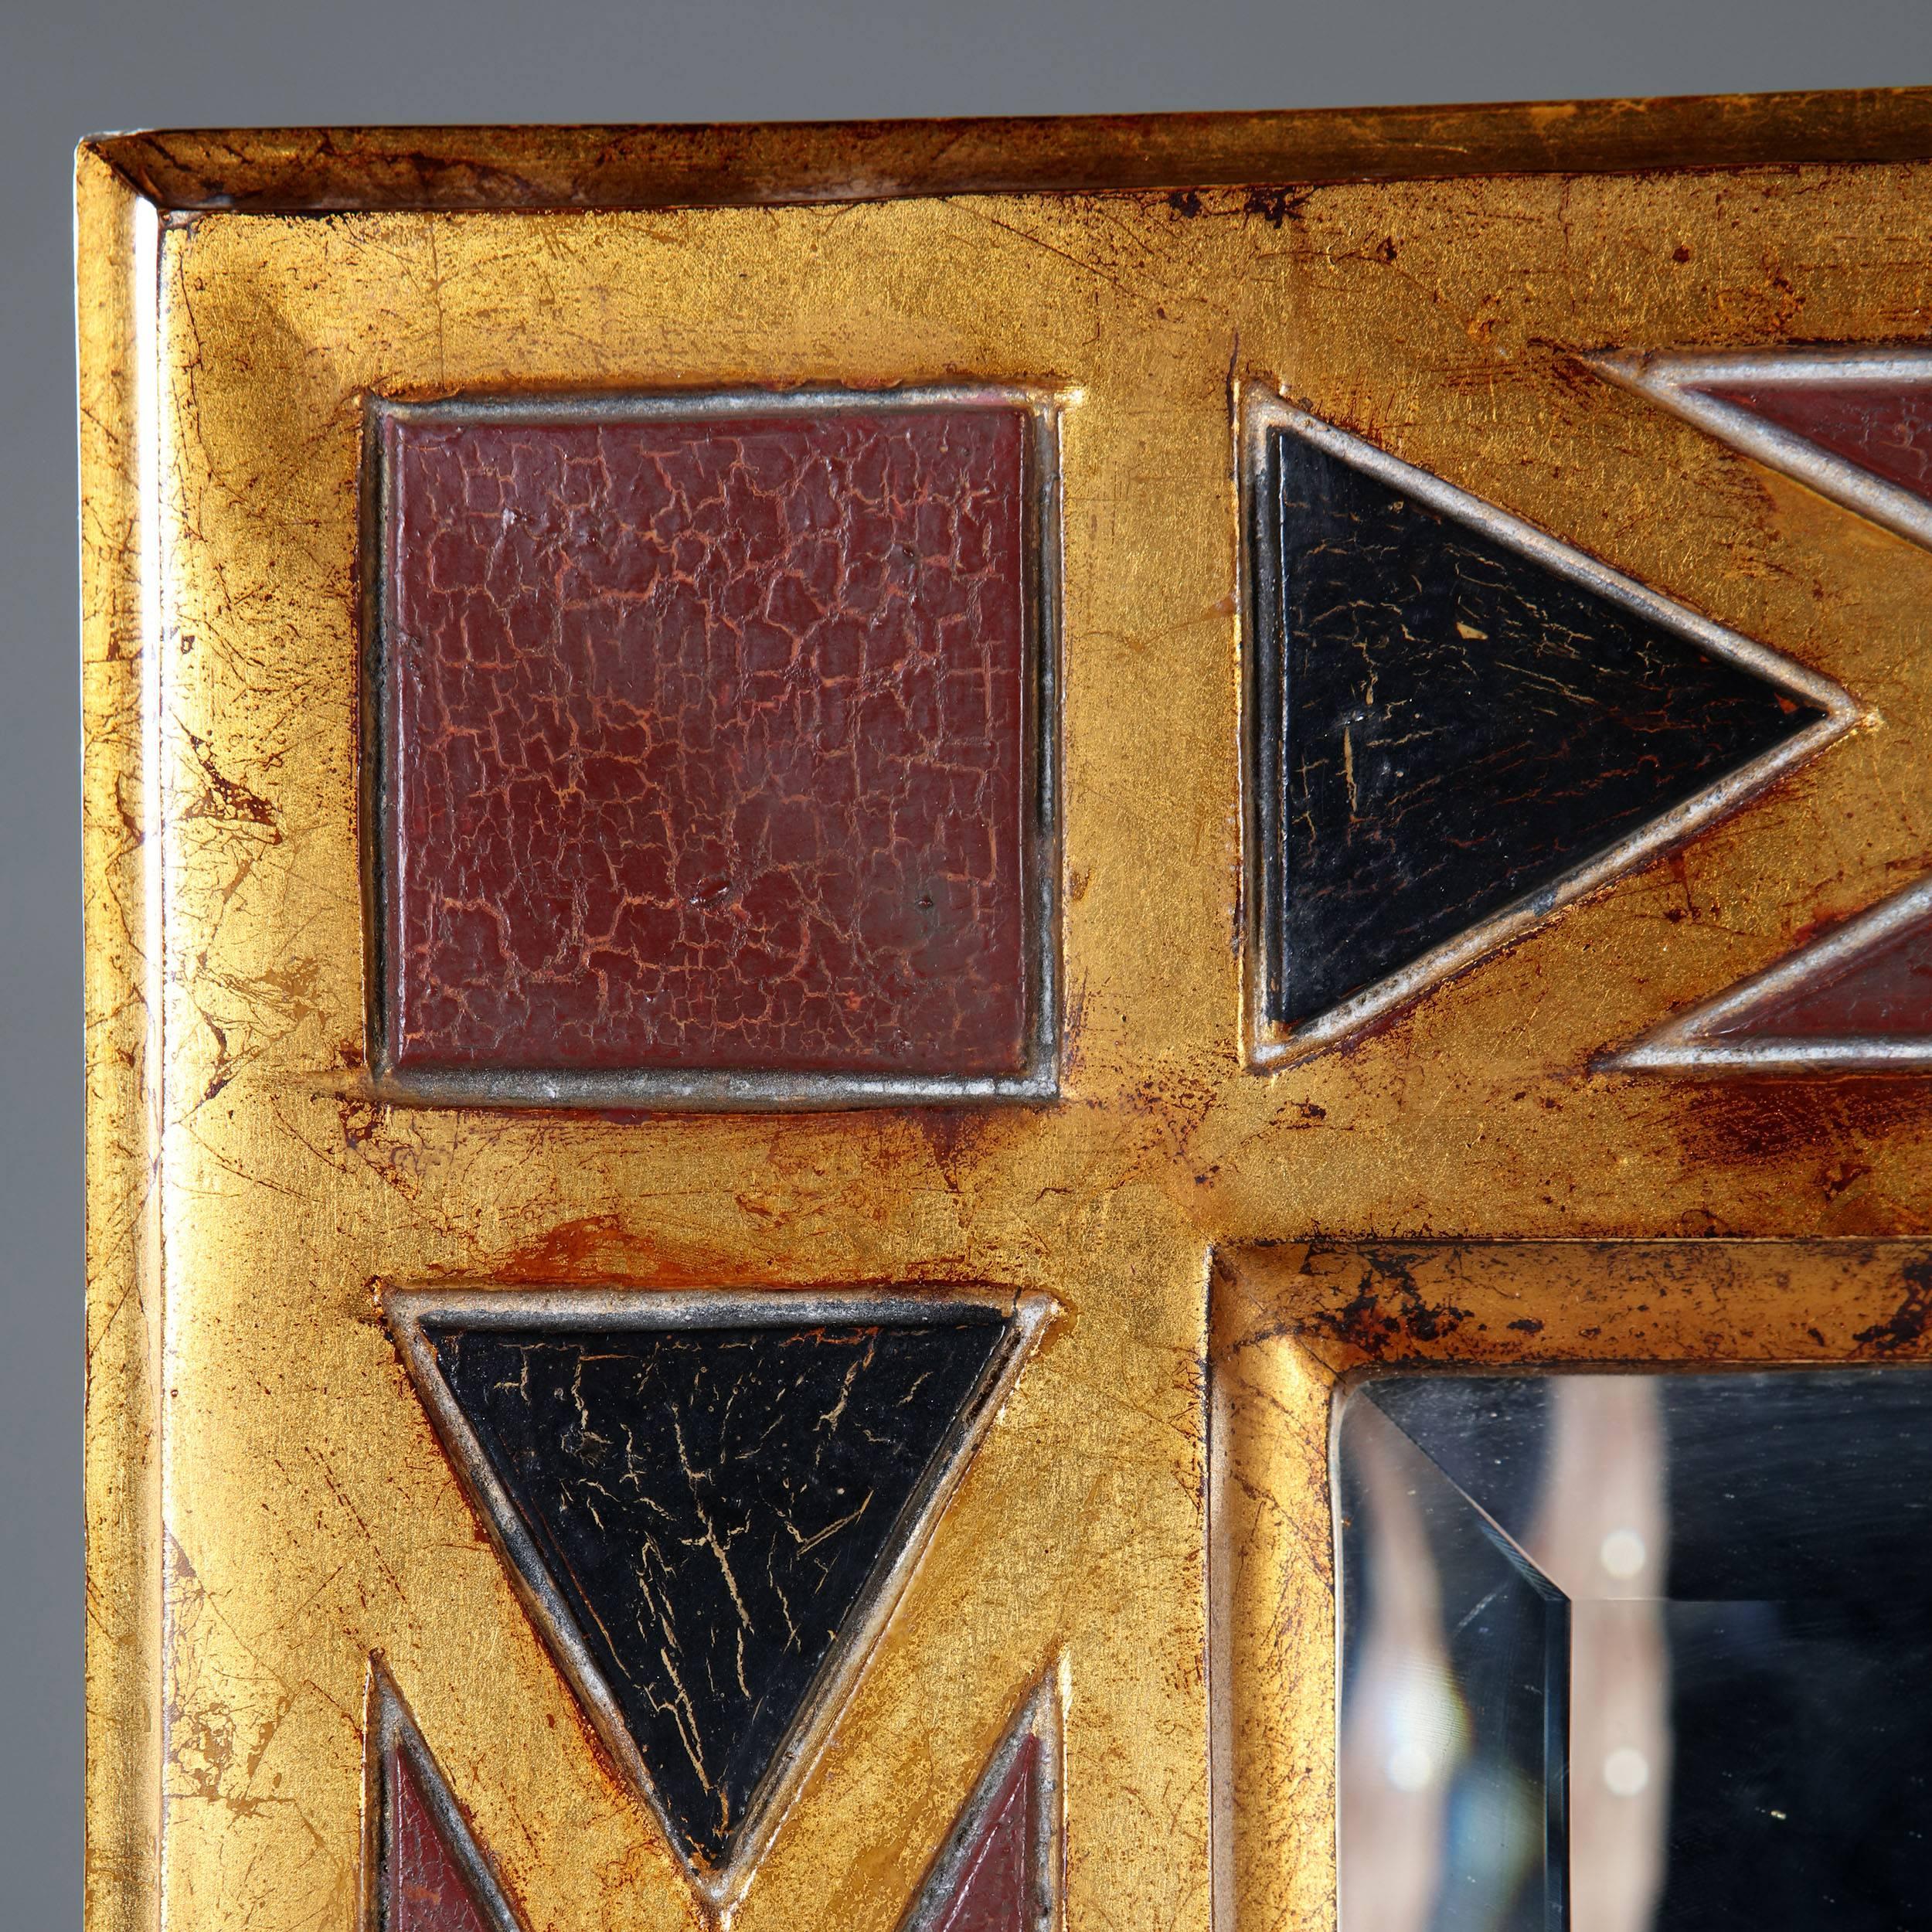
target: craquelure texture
1885 428
710 1504
704 741
1457 726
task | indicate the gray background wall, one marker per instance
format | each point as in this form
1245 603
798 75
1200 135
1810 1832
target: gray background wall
71 67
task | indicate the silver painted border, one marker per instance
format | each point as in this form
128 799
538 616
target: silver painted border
1270 1045
1672 378
1040 1719
390 1729
1686 1045
1025 1315
717 1090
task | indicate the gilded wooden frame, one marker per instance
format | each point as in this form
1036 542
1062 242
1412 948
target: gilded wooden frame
268 1505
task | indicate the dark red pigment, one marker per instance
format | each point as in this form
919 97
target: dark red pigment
426 1890
1885 991
994 1889
1885 428
704 743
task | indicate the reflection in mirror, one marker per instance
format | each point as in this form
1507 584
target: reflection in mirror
1636 1652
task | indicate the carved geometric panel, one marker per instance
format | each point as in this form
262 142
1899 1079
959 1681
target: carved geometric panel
1854 423
423 1870
1858 997
709 759
1884 429
999 1871
708 1504
1461 723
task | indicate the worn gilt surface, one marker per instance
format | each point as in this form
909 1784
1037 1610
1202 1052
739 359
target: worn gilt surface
252 1199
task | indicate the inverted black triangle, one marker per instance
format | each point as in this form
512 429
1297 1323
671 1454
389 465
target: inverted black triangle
709 1505
1449 726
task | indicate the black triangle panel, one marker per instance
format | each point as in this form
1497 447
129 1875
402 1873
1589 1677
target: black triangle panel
710 1505
1448 727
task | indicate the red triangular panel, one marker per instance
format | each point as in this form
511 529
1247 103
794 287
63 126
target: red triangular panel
1881 992
994 1889
1884 428
426 1889
423 1870
1857 998
999 1870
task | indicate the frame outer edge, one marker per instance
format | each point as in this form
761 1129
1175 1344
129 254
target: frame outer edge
292 170
115 233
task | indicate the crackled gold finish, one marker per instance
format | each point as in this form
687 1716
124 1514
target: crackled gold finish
267 1503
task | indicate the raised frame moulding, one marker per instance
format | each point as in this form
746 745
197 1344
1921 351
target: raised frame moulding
310 170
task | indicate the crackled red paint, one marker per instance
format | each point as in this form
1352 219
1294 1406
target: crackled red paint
427 1891
1885 428
994 1890
1885 991
705 743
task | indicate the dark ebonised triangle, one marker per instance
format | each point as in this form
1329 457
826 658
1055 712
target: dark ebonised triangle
1456 726
710 1504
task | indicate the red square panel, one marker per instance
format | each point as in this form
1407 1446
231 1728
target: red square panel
707 746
